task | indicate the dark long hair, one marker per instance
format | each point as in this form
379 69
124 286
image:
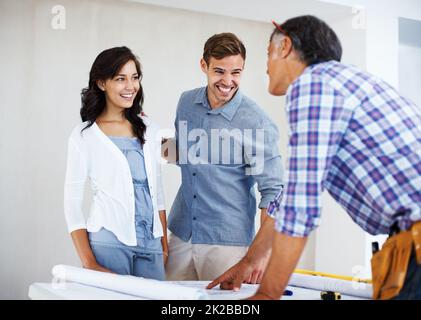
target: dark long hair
106 66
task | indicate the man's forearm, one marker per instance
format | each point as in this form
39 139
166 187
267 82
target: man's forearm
263 215
261 246
286 252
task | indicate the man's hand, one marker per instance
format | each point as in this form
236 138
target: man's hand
258 271
251 268
234 277
286 251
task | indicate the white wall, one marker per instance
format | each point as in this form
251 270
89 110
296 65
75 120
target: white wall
410 81
410 59
382 32
45 70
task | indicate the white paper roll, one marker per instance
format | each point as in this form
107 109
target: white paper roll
140 287
356 289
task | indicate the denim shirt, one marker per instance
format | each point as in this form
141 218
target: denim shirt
132 149
222 154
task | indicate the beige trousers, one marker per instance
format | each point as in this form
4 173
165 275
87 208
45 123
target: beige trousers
189 261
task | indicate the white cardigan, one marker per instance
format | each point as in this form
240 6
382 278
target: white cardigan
93 155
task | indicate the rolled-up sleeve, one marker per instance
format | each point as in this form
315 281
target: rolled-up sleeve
269 173
74 187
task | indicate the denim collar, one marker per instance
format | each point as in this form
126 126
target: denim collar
228 110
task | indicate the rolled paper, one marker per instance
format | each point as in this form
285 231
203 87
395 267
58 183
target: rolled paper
345 287
135 286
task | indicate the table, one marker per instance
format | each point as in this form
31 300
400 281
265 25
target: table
77 291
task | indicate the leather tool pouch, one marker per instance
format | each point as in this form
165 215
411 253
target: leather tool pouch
416 237
389 266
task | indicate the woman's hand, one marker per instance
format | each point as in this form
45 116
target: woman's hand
164 239
165 250
83 248
165 256
96 267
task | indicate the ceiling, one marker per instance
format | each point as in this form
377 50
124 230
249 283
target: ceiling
258 10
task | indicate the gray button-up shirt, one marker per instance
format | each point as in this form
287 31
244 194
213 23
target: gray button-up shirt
223 153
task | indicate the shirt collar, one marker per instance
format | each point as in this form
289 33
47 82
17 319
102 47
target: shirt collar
228 110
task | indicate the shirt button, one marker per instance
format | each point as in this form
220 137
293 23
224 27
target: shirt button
194 174
195 196
194 218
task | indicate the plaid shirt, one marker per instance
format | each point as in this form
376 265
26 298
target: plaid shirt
354 135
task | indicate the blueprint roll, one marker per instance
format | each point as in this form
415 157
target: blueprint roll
351 288
135 286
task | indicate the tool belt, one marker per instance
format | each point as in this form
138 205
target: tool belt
389 265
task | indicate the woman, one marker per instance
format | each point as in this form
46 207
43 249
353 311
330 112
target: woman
118 151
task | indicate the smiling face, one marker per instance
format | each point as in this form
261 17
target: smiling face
120 91
224 77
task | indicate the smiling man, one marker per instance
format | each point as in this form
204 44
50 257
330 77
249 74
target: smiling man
226 144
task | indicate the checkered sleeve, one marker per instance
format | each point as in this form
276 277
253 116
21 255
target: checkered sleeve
275 204
314 111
